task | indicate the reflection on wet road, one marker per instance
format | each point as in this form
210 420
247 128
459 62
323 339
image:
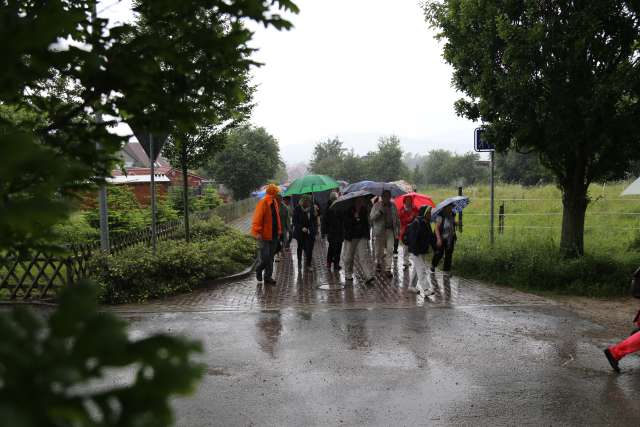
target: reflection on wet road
299 354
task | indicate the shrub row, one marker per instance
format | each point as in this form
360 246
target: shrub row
538 266
135 275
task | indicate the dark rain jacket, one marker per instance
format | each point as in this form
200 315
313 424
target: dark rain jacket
420 237
333 225
356 228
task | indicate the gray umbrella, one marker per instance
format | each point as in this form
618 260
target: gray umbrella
458 203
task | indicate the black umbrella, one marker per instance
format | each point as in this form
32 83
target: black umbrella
347 201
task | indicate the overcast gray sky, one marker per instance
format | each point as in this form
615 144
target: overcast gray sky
355 69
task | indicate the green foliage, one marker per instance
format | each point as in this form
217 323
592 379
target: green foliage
125 213
209 229
442 167
148 73
559 78
75 231
209 199
538 266
251 156
526 255
59 371
385 164
526 169
135 275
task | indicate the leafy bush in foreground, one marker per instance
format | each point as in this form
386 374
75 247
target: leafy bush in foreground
60 371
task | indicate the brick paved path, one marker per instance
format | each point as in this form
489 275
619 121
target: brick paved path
325 289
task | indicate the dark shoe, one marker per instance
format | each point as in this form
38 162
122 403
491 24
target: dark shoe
337 267
299 265
328 266
370 281
433 269
612 361
388 274
259 277
269 281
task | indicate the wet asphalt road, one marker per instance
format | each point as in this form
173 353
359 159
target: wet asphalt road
520 364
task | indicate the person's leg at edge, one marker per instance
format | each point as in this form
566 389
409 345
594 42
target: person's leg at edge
338 253
626 347
365 260
271 249
388 260
448 258
349 255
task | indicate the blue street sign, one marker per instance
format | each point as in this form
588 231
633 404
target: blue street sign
479 144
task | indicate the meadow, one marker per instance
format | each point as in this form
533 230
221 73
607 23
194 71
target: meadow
526 254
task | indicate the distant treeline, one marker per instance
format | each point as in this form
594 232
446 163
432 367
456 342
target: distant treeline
437 167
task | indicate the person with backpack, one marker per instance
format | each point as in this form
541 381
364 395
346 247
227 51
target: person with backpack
418 239
445 232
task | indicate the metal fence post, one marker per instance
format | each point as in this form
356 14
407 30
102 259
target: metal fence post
460 214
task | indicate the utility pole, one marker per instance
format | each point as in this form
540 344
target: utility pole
102 192
491 219
153 195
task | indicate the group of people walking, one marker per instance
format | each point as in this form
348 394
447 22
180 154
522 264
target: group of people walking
349 233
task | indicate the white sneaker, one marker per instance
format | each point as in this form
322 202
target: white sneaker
413 289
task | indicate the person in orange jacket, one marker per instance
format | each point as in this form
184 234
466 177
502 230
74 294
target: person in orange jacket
267 228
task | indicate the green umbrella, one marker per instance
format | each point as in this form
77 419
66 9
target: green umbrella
311 184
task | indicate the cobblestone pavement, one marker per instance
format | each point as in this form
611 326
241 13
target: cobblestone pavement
320 288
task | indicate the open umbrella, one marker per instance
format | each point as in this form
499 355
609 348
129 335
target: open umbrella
345 202
633 189
458 203
419 200
375 188
311 184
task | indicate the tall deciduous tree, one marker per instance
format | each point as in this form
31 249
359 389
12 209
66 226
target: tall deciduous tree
251 157
169 69
559 77
328 157
386 163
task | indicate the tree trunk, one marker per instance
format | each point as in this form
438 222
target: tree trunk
574 202
185 194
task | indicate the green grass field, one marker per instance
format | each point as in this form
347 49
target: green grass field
526 254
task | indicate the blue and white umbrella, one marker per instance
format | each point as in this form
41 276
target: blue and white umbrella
457 204
375 188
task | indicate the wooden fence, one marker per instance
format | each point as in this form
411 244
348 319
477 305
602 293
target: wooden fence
40 275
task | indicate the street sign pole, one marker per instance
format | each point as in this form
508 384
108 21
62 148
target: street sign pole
153 196
491 219
481 145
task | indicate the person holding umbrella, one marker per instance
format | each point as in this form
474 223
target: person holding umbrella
445 232
419 238
356 236
333 230
407 214
386 228
304 230
267 229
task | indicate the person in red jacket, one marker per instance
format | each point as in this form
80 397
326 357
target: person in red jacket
267 228
407 214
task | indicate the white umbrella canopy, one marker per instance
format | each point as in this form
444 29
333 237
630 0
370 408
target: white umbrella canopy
633 189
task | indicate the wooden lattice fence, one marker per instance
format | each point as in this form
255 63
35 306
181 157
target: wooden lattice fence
40 275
